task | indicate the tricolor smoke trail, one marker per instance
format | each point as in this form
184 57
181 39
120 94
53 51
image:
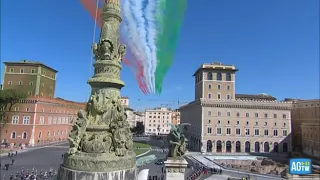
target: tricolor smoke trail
150 29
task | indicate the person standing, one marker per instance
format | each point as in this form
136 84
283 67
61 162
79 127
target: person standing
12 160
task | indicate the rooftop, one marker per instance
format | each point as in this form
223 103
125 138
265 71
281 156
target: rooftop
216 66
29 63
261 96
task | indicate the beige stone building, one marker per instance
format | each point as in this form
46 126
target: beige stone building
305 126
222 121
125 101
157 120
175 117
134 117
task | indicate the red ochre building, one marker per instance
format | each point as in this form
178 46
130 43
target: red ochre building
39 119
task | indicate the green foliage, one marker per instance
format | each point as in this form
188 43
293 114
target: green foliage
8 97
139 129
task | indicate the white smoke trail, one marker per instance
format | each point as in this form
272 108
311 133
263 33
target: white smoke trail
134 30
137 11
151 38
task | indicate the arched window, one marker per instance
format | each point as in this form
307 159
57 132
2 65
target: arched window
48 134
13 135
219 96
209 96
24 135
228 77
209 76
210 86
219 76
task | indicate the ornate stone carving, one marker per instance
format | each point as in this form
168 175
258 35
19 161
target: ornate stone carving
177 141
100 140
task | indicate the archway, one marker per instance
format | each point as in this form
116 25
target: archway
238 146
228 146
285 147
266 147
275 147
209 146
256 147
247 147
219 146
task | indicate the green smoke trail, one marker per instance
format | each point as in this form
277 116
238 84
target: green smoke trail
170 17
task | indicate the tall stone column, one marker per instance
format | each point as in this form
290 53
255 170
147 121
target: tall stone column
101 146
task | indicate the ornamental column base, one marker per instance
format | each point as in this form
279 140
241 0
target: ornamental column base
176 168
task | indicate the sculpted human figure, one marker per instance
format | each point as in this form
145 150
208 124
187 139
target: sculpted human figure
107 49
121 52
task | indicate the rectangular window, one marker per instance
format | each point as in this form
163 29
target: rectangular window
275 132
228 96
238 114
247 114
228 131
15 120
256 115
285 133
266 132
238 131
256 132
228 113
41 119
219 113
26 119
59 120
49 120
274 115
284 116
265 115
219 131
209 131
247 132
209 113
55 120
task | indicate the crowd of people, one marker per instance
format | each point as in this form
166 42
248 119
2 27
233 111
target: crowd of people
31 175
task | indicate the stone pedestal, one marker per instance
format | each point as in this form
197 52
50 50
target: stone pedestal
70 174
175 168
102 166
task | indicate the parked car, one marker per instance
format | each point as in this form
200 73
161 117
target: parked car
160 162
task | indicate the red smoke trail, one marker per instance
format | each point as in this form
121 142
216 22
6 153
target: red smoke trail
135 66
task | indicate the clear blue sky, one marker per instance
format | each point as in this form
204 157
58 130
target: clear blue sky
274 43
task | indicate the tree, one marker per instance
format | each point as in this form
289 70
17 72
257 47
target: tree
139 129
9 97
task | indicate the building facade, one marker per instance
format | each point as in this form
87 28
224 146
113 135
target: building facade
223 121
175 117
32 78
125 101
39 120
157 120
305 126
134 117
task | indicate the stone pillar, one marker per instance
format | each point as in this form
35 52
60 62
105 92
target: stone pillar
175 168
101 145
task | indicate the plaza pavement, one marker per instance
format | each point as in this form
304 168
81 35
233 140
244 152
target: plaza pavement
230 172
47 157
